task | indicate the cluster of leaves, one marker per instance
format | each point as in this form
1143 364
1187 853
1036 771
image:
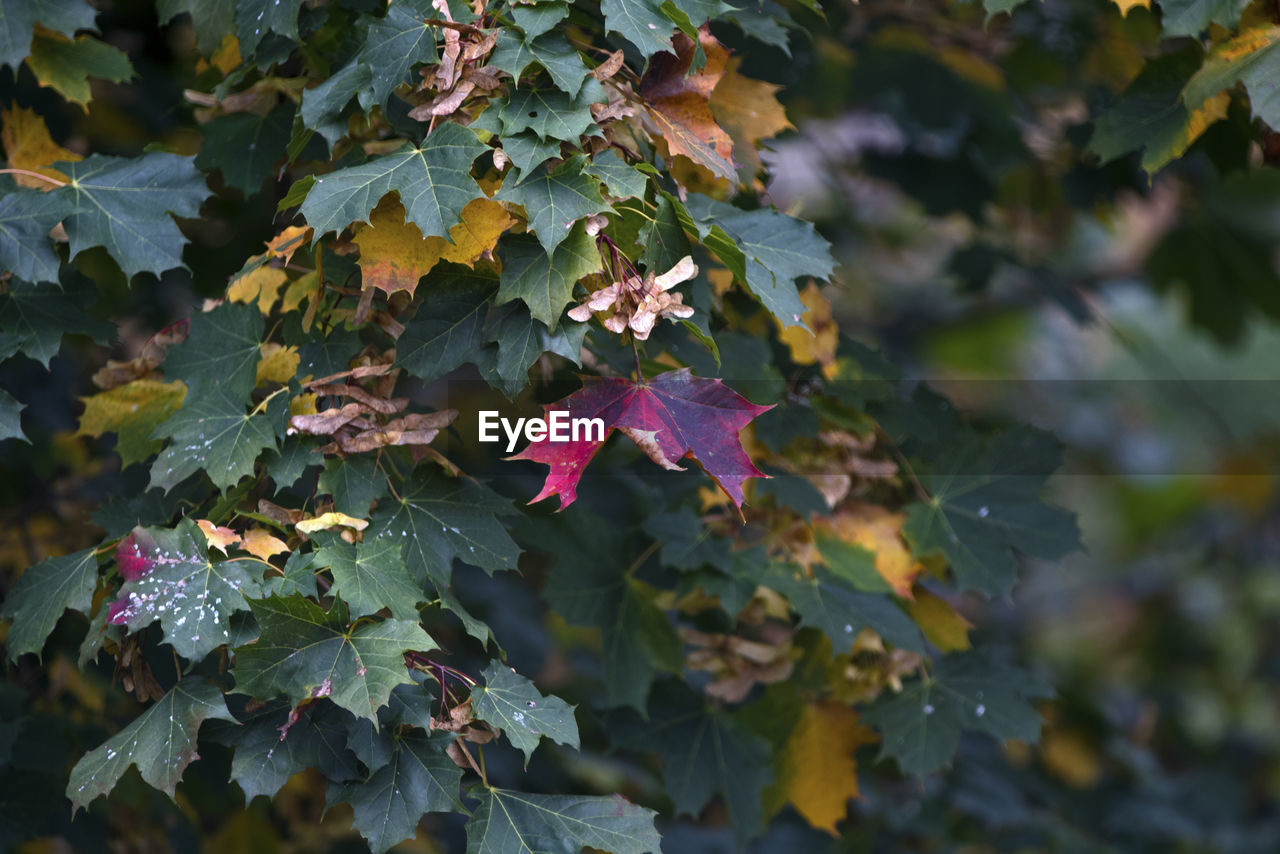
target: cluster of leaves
448 180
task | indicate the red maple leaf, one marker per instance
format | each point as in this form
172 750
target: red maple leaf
672 416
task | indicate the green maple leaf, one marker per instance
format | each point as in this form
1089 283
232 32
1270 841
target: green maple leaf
161 742
398 41
323 106
371 576
266 753
620 178
1193 17
664 239
297 454
1150 113
40 596
222 351
555 199
510 702
520 341
299 577
304 651
985 504
34 318
550 113
766 22
66 65
354 483
438 519
515 52
687 543
589 586
409 705
766 250
418 778
26 216
210 432
18 21
704 751
123 204
1251 58
255 18
211 19
446 331
528 151
544 280
640 22
10 417
508 822
245 146
538 18
833 604
191 596
967 691
433 180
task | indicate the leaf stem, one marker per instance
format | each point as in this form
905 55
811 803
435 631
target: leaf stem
261 406
921 492
634 211
57 182
644 555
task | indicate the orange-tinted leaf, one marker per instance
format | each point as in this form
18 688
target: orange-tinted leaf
261 543
679 103
880 531
393 255
219 538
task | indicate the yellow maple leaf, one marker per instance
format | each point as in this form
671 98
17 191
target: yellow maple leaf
279 363
818 773
261 543
262 284
393 253
1126 5
819 346
880 531
226 58
748 109
302 288
28 146
483 222
109 411
942 625
219 538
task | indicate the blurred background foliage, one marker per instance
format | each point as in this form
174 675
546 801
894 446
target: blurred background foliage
986 251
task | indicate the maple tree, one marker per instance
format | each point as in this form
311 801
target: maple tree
400 213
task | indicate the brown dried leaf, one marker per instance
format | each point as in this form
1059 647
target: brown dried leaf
609 67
